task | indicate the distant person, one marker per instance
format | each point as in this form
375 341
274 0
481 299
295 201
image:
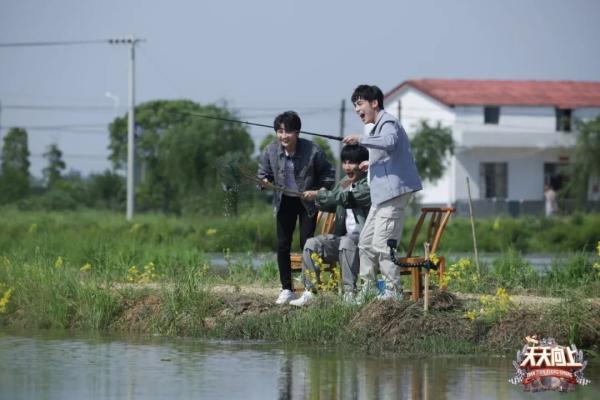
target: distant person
551 206
393 178
350 200
298 165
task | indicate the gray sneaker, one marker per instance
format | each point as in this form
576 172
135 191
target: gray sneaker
349 298
391 295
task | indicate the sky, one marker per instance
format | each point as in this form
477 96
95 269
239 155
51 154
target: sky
263 57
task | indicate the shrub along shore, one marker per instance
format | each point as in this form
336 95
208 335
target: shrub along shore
94 271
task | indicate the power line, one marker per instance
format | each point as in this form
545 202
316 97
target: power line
95 157
54 43
61 107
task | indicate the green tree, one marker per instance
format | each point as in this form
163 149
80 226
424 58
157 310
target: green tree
266 141
324 144
14 177
431 146
107 190
177 152
53 172
585 161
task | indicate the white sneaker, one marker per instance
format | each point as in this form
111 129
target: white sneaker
306 298
366 293
285 296
390 295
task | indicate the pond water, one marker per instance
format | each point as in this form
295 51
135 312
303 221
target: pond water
64 366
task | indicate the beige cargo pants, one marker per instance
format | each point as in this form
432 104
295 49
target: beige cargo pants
385 221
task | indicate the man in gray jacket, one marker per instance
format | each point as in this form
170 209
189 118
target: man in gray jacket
393 177
298 165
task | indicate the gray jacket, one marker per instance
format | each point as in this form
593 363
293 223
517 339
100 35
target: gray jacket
311 169
392 169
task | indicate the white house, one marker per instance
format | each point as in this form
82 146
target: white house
510 136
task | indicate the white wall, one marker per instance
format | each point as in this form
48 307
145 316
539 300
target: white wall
417 106
511 117
525 172
525 139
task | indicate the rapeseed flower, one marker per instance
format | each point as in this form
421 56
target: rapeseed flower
4 300
492 308
86 267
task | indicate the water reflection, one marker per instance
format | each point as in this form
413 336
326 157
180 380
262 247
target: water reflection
329 375
59 367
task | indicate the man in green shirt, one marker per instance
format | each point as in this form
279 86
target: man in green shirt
350 199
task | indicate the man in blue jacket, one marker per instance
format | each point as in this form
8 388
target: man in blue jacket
393 178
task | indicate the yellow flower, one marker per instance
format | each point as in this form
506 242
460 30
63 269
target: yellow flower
597 268
496 225
598 247
434 258
32 228
211 232
492 307
148 275
134 228
471 315
86 267
317 259
132 274
59 263
4 300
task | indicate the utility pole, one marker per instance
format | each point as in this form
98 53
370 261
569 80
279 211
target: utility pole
338 170
131 41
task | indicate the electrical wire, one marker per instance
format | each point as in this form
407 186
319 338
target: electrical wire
54 43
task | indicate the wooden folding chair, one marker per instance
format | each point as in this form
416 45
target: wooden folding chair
438 219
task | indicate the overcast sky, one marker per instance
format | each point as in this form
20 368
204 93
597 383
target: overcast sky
263 57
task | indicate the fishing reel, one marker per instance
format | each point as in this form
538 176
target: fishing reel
411 262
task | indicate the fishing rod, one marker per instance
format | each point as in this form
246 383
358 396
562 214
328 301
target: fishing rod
268 185
338 138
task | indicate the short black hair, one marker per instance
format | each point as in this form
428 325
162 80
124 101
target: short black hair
290 121
354 153
368 93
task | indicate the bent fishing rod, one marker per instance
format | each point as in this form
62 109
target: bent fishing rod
339 138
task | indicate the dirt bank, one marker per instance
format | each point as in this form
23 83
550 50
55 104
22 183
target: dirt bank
248 312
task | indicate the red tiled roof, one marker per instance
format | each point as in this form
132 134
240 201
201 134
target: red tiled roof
562 94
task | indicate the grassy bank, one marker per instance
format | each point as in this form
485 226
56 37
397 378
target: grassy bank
58 299
94 271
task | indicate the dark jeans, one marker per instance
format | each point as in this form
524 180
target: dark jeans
290 210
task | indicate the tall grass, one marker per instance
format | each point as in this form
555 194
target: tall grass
570 274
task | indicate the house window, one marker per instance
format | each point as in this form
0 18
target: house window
493 180
563 119
491 115
554 175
